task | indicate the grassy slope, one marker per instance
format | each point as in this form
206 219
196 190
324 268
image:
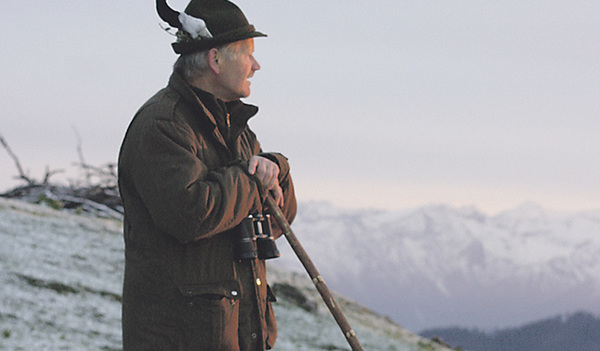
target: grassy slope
61 277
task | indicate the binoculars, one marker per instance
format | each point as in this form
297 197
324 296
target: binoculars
255 239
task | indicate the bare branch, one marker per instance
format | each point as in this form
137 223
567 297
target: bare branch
83 164
22 174
49 173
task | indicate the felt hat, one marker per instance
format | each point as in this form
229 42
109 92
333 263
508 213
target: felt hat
206 24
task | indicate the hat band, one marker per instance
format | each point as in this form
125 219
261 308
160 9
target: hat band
189 46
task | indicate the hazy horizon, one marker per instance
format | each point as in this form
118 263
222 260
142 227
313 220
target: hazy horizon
381 104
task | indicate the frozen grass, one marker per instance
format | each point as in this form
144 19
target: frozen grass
61 277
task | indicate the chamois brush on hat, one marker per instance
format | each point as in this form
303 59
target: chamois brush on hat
206 24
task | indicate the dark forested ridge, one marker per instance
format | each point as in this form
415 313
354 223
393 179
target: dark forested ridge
576 332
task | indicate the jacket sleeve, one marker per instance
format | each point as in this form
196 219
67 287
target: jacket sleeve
184 197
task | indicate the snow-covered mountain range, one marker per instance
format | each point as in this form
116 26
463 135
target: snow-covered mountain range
443 266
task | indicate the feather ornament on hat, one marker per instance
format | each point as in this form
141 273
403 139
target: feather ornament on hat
196 27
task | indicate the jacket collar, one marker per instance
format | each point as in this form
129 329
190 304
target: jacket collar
237 109
239 112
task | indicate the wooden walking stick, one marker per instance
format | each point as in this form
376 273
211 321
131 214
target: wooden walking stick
334 308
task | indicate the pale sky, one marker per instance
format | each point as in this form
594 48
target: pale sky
387 103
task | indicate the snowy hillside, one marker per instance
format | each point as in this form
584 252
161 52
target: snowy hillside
61 275
442 266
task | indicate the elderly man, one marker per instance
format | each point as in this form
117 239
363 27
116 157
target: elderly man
191 172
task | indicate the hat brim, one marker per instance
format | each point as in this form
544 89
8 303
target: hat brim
190 46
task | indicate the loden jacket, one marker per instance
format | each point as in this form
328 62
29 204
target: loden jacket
185 189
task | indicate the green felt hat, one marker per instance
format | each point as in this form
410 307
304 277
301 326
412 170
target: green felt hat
206 24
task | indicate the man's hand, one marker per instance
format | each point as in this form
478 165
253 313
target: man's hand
267 173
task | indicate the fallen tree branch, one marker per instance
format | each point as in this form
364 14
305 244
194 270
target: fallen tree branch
97 193
87 205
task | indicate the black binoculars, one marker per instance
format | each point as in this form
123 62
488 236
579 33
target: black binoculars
255 239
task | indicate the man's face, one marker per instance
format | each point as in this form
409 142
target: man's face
235 72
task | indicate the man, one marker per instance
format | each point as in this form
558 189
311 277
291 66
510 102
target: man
190 173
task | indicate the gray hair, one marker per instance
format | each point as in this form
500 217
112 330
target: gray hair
196 63
191 65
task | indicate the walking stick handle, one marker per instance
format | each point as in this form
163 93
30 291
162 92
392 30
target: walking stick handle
316 278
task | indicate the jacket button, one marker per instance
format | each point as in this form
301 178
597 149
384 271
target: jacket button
254 335
234 293
258 281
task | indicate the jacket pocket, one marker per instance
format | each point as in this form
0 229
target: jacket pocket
208 317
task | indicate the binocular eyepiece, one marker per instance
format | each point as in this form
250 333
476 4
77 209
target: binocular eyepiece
255 239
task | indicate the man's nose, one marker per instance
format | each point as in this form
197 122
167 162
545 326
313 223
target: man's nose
255 64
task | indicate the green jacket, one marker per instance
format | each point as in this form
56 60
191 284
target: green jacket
185 189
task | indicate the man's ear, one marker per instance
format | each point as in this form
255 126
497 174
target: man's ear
214 57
